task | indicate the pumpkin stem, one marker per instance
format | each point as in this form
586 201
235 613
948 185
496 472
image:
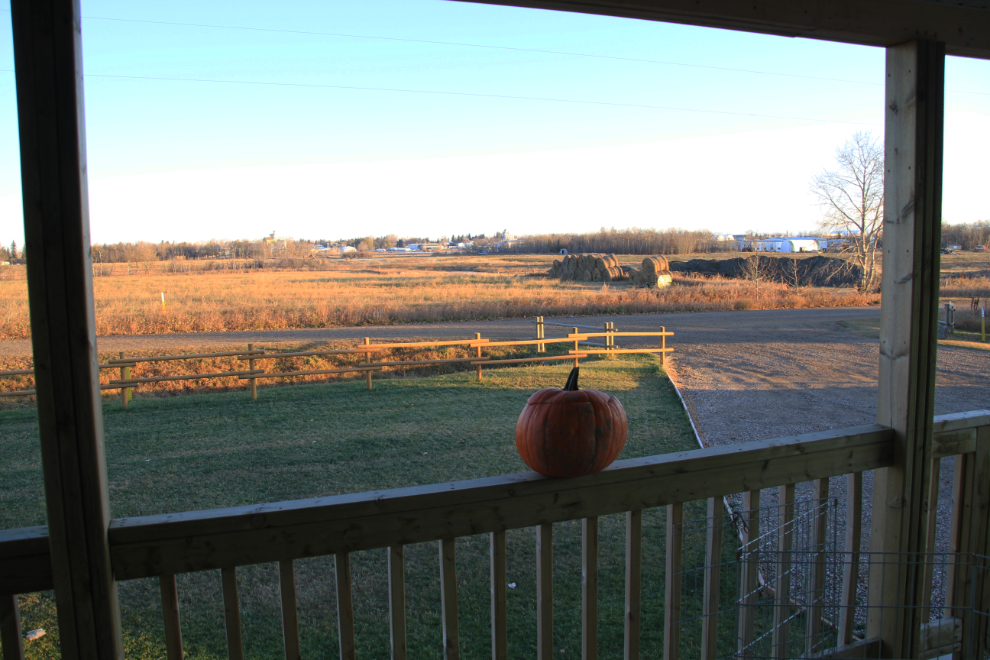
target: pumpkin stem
571 385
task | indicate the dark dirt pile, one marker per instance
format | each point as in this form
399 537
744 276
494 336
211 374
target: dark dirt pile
810 271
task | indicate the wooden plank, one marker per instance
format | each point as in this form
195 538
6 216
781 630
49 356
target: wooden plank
941 637
253 388
544 591
864 649
162 379
345 606
25 560
959 574
616 351
589 589
18 372
952 443
290 615
749 572
713 579
316 372
627 334
14 393
448 598
170 617
782 583
408 363
850 568
232 614
181 542
914 112
190 356
634 583
966 30
544 358
51 129
673 565
397 601
10 628
816 606
499 588
530 342
959 421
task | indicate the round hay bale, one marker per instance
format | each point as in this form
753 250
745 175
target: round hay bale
655 265
664 279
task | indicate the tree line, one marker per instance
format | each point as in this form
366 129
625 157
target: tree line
968 235
622 241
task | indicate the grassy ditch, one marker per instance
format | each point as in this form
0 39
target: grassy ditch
214 450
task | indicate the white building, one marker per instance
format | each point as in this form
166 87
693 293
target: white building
787 245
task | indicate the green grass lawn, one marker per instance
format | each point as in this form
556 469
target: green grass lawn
217 450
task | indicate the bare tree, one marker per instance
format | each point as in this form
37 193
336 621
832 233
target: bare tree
851 196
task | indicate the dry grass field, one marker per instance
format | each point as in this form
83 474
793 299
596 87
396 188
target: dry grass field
229 296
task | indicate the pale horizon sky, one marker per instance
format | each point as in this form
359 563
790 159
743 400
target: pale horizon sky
339 119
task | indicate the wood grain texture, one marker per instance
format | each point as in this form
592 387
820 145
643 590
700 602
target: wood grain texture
448 599
673 565
345 606
634 584
175 543
965 30
914 111
170 617
589 589
232 614
290 615
544 591
49 83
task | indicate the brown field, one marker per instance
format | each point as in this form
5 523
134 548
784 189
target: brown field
228 296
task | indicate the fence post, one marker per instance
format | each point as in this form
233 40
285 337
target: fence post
125 374
477 335
254 381
576 349
367 358
663 346
542 348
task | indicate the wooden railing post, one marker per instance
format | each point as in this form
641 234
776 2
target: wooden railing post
448 598
589 589
232 614
397 601
914 111
782 586
663 347
499 592
749 578
850 569
576 348
125 392
544 592
10 628
345 605
713 579
170 617
816 593
634 582
367 360
477 335
672 582
290 615
253 381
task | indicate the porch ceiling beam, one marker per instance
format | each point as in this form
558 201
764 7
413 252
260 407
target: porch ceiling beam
965 30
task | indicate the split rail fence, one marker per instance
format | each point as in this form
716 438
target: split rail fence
255 356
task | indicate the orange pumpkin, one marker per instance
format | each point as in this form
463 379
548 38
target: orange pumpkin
571 432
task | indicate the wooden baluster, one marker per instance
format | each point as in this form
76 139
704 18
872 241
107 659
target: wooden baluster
345 606
232 613
589 588
448 598
253 381
958 583
713 578
672 582
170 617
544 592
477 335
500 614
367 359
817 596
785 544
850 570
10 628
125 374
749 571
290 616
981 540
397 601
933 484
634 582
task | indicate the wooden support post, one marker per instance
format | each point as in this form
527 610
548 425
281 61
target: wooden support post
290 615
589 589
477 335
663 345
10 628
782 585
397 601
816 597
499 588
672 582
367 359
544 592
448 598
345 605
49 81
749 578
232 614
713 579
125 392
980 542
908 323
850 569
540 348
253 381
170 617
576 348
634 582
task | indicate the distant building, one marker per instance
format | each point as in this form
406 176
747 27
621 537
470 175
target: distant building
787 245
344 249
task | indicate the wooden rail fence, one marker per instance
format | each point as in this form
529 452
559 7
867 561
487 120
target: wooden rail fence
125 383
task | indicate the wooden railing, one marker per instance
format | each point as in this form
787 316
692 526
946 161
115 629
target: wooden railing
255 356
225 539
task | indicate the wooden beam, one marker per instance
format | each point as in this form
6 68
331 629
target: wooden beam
965 30
48 69
908 318
182 542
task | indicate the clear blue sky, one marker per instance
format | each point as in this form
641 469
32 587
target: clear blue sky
627 123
